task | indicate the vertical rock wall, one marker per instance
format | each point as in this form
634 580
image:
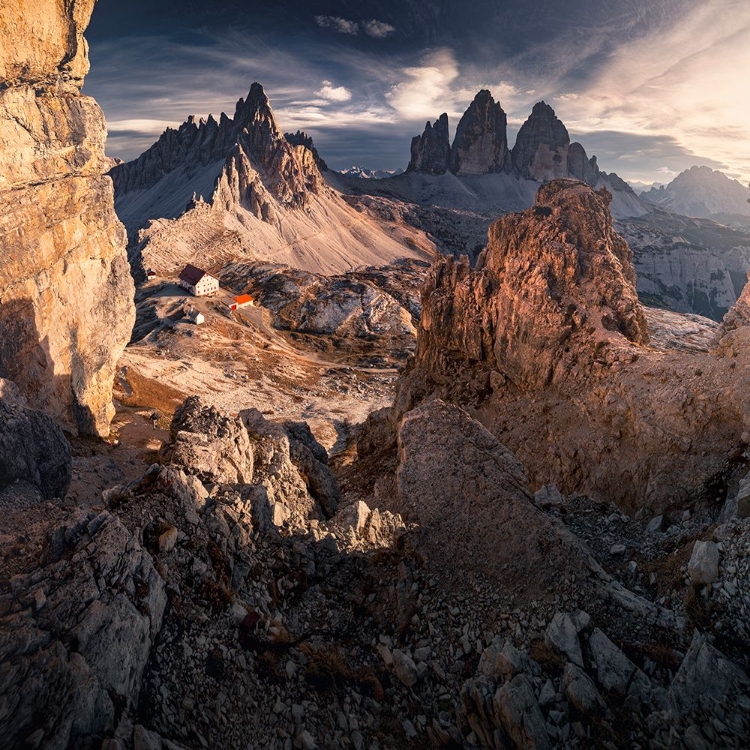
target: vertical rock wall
66 295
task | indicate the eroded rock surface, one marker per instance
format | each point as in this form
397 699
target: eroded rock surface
541 148
547 339
66 311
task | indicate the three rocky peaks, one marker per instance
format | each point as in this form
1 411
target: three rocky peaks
542 152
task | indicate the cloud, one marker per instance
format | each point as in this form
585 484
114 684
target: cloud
332 93
681 80
374 28
339 24
377 29
425 89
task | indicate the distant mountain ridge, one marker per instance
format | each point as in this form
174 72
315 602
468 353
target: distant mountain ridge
238 188
701 192
363 173
542 152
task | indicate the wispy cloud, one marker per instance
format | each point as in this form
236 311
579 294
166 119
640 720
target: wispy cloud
336 23
332 93
425 90
377 29
374 28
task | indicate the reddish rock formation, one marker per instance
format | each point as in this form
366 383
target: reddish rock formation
547 341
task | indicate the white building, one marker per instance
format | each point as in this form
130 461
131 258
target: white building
198 282
196 316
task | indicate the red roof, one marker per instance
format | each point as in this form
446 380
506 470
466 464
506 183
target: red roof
192 275
243 299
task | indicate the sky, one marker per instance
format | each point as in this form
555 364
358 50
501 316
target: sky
651 87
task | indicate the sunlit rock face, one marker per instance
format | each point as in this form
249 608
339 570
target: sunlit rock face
547 342
66 308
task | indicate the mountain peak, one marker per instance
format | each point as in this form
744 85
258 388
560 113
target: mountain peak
481 142
430 152
257 159
542 144
702 192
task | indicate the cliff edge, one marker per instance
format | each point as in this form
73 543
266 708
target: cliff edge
66 295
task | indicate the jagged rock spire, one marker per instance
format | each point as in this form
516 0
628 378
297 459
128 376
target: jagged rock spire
430 152
481 142
541 150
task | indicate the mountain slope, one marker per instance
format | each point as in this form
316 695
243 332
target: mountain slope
701 192
239 189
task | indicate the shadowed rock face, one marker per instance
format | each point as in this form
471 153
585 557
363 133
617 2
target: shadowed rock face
66 310
33 448
431 152
541 150
481 142
547 341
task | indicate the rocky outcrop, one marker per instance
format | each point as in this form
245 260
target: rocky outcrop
454 478
285 460
739 313
33 449
210 444
77 630
546 339
300 138
431 152
43 45
66 310
541 149
481 142
580 167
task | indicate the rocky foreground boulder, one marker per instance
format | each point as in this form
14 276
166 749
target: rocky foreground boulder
547 344
33 449
192 610
67 311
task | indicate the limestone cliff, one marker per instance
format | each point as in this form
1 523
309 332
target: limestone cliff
66 307
546 339
431 151
481 142
541 150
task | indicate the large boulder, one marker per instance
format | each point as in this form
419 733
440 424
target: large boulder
76 632
33 449
210 444
469 495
